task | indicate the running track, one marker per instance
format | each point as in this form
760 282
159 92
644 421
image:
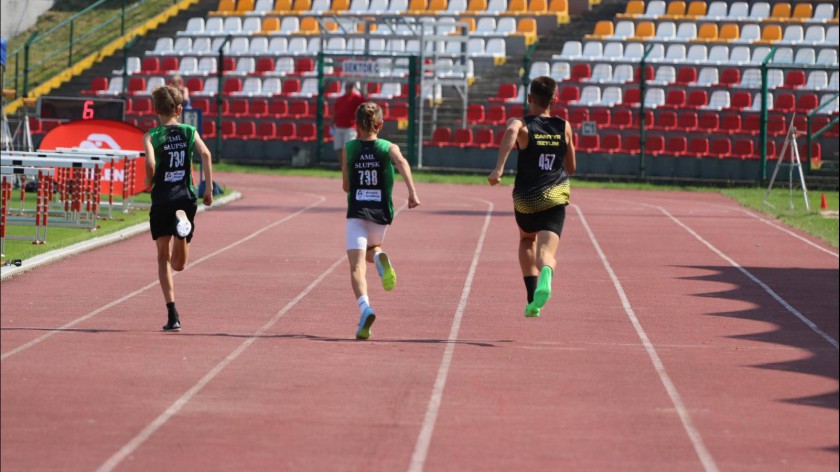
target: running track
684 334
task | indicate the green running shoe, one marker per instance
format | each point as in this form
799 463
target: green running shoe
543 292
368 317
531 311
386 271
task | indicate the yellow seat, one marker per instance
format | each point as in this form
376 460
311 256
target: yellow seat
603 29
476 6
418 7
339 6
781 11
528 28
436 6
270 25
675 10
802 12
283 6
226 7
244 6
538 7
729 32
517 7
360 27
707 32
696 9
470 23
644 31
303 5
561 9
634 9
309 25
770 34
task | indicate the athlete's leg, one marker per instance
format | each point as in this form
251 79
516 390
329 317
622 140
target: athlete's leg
356 257
180 254
164 268
527 254
547 243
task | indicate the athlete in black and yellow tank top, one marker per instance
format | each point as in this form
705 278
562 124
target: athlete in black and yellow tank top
541 190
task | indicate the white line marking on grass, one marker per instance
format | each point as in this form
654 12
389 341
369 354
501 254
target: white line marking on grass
95 312
694 435
424 439
150 429
752 277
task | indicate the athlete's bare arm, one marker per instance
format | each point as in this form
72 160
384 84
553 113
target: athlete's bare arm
405 170
569 162
207 164
345 176
516 133
150 160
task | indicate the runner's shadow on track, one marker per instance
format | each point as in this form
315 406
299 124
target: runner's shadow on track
313 337
812 292
467 213
66 330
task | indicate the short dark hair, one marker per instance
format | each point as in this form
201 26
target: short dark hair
543 90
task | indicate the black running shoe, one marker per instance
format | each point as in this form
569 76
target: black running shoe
172 325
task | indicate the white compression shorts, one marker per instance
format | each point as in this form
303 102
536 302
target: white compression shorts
343 136
362 234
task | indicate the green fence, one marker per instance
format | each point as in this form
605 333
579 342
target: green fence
45 53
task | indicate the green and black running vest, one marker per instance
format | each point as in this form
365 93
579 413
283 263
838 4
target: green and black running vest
541 179
173 147
371 175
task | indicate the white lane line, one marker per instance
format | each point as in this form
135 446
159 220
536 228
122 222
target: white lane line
696 440
95 312
785 230
755 279
424 439
150 429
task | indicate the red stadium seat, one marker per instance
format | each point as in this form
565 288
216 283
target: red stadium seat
816 153
195 84
687 121
750 124
675 99
34 125
649 74
648 116
304 65
771 149
440 137
202 104
709 122
740 100
150 66
484 138
589 143
560 112
666 121
232 84
264 64
601 116
239 107
580 72
654 145
245 130
463 138
506 92
136 85
697 99
495 115
278 108
266 131
676 146
307 132
819 122
169 65
698 147
229 64
632 97
686 76
622 118
142 106
731 123
259 108
228 130
373 87
399 111
721 148
631 144
794 79
730 77
287 132
97 84
568 94
785 102
475 113
776 125
579 115
743 149
611 143
290 86
299 109
807 102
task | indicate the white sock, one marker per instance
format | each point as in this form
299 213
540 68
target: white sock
364 303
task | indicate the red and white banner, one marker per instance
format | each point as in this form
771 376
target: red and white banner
104 135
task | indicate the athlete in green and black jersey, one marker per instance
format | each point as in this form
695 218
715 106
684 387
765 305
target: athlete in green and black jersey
541 191
169 158
368 179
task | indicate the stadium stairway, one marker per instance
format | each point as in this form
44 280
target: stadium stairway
74 87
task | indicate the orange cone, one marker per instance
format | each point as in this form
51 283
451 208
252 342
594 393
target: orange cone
823 203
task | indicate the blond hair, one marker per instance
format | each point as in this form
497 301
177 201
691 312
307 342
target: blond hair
167 99
369 117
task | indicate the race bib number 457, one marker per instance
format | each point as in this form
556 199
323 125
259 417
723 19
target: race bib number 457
368 195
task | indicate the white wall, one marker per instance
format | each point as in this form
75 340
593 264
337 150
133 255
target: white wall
18 15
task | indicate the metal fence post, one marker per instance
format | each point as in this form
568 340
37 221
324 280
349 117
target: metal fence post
642 90
26 63
70 55
221 79
319 112
762 116
412 111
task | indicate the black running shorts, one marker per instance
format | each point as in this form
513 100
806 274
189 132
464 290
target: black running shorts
162 218
546 220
